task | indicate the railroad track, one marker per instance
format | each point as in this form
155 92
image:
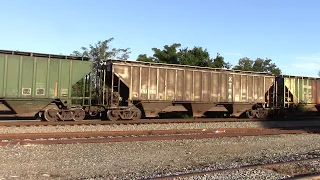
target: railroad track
99 122
9 123
147 135
276 165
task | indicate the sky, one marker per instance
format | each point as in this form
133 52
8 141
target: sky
286 31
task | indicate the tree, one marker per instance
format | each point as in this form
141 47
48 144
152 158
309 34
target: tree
258 65
144 58
195 57
101 51
219 62
98 52
169 54
244 64
174 54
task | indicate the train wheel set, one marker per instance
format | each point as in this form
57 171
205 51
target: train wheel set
76 114
126 114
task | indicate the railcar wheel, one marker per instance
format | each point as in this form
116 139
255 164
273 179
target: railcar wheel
93 113
261 114
251 114
112 115
66 115
79 115
51 115
136 114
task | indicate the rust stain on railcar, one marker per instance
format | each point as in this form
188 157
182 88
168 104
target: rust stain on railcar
215 93
237 88
144 76
179 85
197 86
188 96
135 82
171 81
206 82
162 84
244 88
152 84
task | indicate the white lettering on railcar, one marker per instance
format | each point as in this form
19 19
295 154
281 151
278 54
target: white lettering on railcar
144 91
152 91
40 85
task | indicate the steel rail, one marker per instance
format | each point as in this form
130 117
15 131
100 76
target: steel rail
268 165
149 135
9 123
107 122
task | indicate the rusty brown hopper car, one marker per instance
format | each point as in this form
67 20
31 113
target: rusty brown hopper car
159 88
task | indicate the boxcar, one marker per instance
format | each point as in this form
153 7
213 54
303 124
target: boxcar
156 88
33 83
298 94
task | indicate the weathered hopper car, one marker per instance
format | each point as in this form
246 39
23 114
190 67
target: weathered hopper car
298 95
33 83
158 88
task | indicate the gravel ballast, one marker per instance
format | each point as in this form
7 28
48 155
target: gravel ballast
139 160
85 128
272 172
247 174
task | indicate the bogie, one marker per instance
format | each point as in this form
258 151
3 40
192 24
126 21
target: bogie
53 114
124 114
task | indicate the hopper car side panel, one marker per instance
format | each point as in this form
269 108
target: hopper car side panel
30 82
168 88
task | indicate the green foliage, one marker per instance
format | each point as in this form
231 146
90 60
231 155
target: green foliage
98 52
102 50
169 54
82 89
258 65
144 58
219 62
198 56
174 54
244 64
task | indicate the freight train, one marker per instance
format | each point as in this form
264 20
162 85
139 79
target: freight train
57 87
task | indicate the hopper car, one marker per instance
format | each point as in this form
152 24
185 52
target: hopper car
36 84
296 96
154 88
58 87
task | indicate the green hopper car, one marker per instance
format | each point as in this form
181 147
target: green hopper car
34 84
298 94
